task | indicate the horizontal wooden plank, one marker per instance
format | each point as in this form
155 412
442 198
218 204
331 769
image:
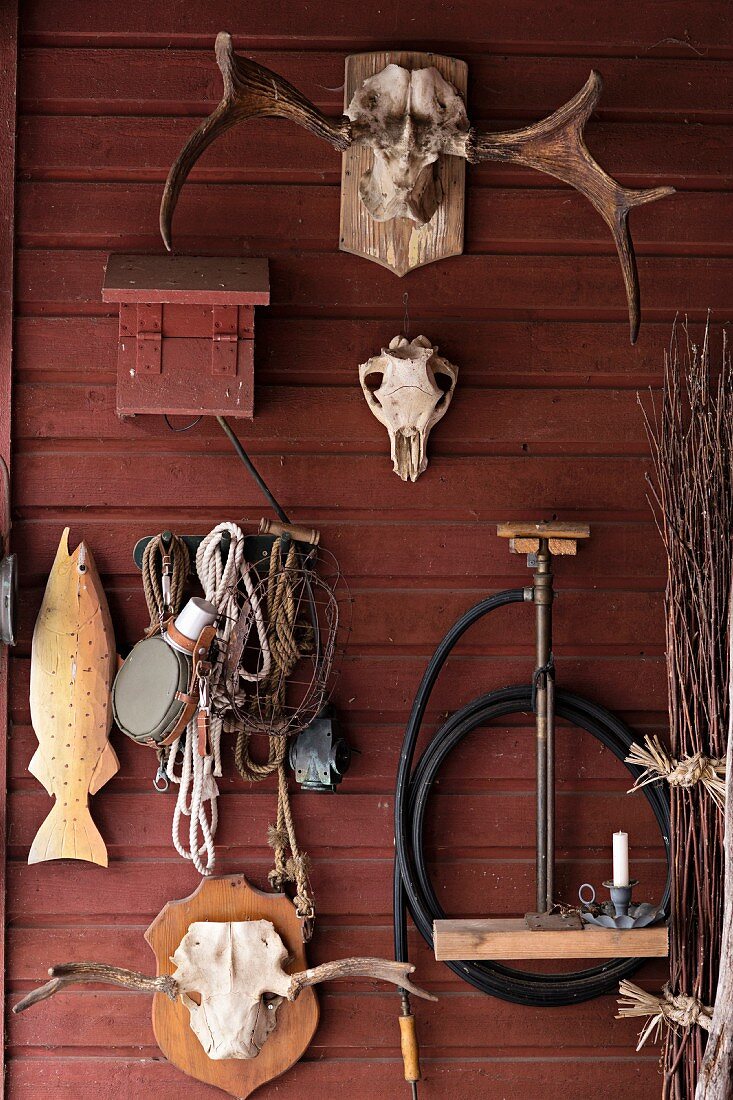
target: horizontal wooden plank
172 82
491 1079
31 947
344 887
451 488
450 554
688 27
90 147
507 938
385 686
549 529
293 419
363 823
410 620
115 1020
500 761
69 282
488 353
260 217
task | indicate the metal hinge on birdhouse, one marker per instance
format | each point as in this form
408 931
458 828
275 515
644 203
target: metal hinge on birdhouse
186 338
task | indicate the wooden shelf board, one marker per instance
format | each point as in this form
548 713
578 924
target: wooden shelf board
509 938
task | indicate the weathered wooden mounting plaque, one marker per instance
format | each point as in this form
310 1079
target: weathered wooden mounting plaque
562 538
400 244
231 898
186 339
507 938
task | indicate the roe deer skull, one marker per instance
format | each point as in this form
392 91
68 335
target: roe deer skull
401 390
407 118
236 969
231 976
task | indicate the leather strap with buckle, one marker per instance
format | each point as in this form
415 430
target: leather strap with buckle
190 699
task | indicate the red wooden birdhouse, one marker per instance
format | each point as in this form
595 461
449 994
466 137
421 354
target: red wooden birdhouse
186 342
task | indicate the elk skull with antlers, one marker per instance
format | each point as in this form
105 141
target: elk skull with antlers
409 119
231 976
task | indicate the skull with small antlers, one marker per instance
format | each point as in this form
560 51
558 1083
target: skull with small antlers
231 976
409 119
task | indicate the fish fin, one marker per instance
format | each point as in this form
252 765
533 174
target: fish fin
64 837
63 553
39 768
107 766
87 840
49 840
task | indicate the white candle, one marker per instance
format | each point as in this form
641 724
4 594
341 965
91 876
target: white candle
620 859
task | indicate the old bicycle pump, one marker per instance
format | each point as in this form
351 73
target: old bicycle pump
540 542
475 950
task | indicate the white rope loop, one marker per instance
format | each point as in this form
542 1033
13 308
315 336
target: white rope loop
220 579
196 786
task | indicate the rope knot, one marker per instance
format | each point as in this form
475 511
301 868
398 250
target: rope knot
670 1010
690 770
686 773
680 1008
277 838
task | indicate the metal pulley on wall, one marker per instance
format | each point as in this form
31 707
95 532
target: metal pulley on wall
319 755
8 568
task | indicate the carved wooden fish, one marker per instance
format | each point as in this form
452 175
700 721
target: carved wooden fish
72 667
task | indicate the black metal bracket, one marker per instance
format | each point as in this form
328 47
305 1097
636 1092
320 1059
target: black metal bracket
257 548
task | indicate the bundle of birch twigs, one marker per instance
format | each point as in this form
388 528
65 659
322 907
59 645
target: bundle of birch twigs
691 437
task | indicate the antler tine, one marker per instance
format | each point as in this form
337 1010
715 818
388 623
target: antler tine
77 973
249 89
556 146
382 969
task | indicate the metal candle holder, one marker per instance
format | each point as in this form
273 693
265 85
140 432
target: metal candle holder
621 896
619 912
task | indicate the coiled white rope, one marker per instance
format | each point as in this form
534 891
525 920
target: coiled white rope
197 784
196 777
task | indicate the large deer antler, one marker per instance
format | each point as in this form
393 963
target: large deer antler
78 973
249 89
556 146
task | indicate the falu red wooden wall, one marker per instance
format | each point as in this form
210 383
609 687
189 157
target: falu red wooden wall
545 422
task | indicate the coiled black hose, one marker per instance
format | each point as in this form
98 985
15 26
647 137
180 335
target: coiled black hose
413 890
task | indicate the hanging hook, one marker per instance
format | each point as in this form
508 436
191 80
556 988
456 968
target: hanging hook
161 782
406 317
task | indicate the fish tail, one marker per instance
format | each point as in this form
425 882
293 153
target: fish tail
68 835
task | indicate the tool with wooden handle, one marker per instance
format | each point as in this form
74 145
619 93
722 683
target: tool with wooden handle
409 1045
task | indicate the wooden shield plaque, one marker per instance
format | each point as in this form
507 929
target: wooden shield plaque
400 244
231 898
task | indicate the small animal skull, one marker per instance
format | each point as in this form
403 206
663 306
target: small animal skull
408 118
236 971
401 390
